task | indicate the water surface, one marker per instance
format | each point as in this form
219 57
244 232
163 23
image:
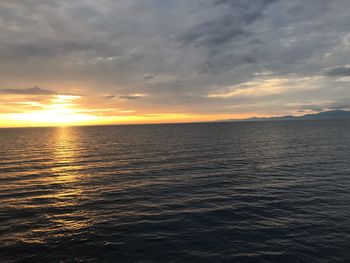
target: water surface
216 192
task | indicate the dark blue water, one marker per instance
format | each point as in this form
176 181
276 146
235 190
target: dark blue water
220 192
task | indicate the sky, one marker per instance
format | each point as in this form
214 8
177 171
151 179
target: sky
153 61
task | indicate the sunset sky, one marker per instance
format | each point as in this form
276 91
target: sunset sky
152 61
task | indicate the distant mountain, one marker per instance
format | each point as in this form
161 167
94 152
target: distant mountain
326 115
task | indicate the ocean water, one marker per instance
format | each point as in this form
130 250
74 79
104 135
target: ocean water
216 192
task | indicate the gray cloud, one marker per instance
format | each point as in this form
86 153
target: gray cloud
30 91
331 107
131 97
229 25
148 77
338 71
108 97
340 107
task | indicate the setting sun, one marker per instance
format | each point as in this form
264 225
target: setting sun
59 111
53 109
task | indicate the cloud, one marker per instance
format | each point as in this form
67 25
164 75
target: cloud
228 25
340 71
319 105
132 96
253 89
30 91
185 55
148 77
108 97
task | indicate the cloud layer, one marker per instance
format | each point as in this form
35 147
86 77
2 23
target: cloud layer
267 57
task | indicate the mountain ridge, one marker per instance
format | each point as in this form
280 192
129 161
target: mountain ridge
325 115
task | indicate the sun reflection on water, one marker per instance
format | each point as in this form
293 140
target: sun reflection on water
56 194
67 177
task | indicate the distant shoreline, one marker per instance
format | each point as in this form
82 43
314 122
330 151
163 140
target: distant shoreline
326 115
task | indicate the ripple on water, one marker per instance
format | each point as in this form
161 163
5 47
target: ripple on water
220 192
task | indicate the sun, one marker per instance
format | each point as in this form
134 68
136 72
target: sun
62 110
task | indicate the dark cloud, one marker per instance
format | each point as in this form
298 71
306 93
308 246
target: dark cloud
244 3
341 71
219 64
108 97
312 108
213 33
43 49
324 106
30 91
149 77
228 26
131 97
339 106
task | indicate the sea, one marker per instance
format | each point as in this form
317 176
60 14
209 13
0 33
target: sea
205 192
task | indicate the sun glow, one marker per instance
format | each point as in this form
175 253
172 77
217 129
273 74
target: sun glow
71 110
61 111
